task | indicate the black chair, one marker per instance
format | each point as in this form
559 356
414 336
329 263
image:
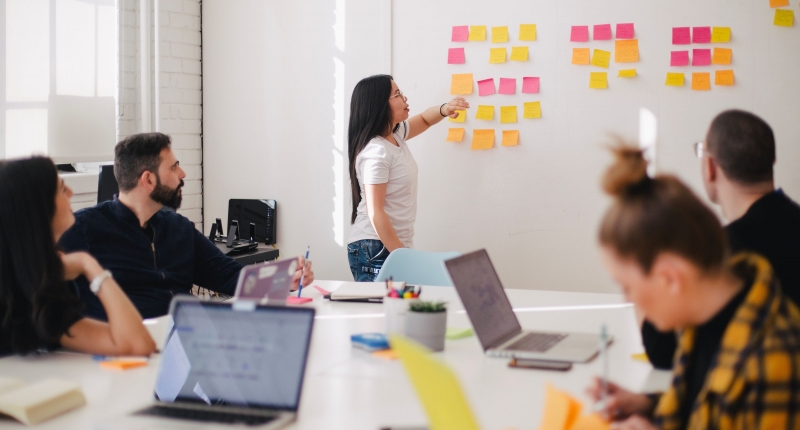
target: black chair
107 185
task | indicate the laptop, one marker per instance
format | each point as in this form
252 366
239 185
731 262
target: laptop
495 323
229 363
268 282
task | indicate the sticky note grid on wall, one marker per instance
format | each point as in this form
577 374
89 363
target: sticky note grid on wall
694 49
625 50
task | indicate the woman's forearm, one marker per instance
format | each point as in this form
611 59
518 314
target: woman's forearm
433 115
124 321
383 227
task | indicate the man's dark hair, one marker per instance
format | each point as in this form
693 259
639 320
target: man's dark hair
137 154
743 145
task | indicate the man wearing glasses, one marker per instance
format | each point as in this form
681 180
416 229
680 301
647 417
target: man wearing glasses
736 163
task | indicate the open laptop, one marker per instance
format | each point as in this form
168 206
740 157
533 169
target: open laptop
495 323
268 282
229 363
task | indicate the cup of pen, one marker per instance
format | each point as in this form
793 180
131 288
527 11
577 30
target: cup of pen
395 306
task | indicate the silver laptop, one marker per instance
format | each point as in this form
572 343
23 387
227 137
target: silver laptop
268 282
230 363
495 323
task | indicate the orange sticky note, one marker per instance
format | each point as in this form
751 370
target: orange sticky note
701 81
778 3
626 51
723 77
455 135
386 354
560 410
580 56
510 138
590 422
674 80
721 56
122 364
482 139
461 84
598 80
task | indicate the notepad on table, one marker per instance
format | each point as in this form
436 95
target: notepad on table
366 291
32 404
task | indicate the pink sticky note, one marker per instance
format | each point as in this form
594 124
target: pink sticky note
322 291
701 57
602 32
701 35
530 85
679 58
455 56
508 86
681 36
580 33
486 87
625 31
294 300
460 33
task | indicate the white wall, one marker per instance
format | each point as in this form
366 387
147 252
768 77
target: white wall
273 126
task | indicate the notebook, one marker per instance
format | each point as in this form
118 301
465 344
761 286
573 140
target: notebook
32 404
362 291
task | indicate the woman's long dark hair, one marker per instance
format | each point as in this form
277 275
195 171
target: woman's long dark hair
36 305
370 116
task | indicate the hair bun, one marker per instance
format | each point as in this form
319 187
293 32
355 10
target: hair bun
628 171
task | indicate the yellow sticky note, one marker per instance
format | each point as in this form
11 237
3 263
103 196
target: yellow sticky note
497 55
482 139
500 34
462 116
778 3
455 135
720 34
701 81
721 56
508 114
477 33
436 386
601 58
485 112
626 51
590 422
674 80
627 73
122 364
510 138
527 32
560 410
598 80
723 77
784 17
532 110
461 84
641 356
519 53
580 56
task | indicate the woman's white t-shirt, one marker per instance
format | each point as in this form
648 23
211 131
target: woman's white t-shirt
381 162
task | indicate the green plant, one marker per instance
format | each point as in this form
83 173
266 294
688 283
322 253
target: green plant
429 307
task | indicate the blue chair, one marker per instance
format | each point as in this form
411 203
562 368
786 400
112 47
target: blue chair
417 267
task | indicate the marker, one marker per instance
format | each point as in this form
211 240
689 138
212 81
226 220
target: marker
302 271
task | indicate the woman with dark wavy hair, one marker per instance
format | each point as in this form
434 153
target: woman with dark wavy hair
39 306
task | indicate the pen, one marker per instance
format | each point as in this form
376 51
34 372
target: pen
302 271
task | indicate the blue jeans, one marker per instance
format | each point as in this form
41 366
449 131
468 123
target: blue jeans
366 258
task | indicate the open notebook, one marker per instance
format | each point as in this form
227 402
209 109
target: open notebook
362 291
32 404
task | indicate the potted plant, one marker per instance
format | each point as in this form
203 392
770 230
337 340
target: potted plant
426 323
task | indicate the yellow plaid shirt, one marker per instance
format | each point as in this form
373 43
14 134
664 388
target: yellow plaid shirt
754 382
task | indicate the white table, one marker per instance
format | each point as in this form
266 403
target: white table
346 388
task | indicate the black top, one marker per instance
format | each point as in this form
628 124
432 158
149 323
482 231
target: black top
770 227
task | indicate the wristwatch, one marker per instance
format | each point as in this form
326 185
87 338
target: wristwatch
98 281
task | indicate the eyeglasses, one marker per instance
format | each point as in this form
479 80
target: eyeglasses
699 149
399 94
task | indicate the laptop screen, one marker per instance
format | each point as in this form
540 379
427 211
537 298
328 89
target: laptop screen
483 297
241 355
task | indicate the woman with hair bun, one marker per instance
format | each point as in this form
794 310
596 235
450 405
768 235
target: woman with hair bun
738 359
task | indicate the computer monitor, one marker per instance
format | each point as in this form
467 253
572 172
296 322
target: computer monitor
107 185
261 212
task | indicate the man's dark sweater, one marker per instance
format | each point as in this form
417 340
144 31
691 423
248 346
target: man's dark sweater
770 227
151 265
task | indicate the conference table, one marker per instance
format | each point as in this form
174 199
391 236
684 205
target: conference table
348 388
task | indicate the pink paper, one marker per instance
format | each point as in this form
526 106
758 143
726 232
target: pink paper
625 31
508 86
679 58
460 33
530 85
294 300
455 56
580 33
701 57
701 35
681 36
602 32
486 87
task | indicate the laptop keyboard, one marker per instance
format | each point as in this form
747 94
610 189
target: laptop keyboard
205 415
536 342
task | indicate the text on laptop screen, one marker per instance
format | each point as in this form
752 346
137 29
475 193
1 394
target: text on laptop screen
222 356
483 297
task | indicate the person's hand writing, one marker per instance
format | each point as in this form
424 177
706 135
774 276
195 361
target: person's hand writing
620 403
458 103
304 270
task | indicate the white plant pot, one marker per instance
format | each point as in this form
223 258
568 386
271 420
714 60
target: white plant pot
427 328
395 311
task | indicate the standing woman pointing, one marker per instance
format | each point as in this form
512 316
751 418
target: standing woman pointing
383 173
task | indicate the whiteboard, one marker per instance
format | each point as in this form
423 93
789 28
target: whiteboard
536 206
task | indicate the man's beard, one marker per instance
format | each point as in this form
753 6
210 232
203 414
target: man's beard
167 196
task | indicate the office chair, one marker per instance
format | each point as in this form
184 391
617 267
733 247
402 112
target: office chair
417 267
